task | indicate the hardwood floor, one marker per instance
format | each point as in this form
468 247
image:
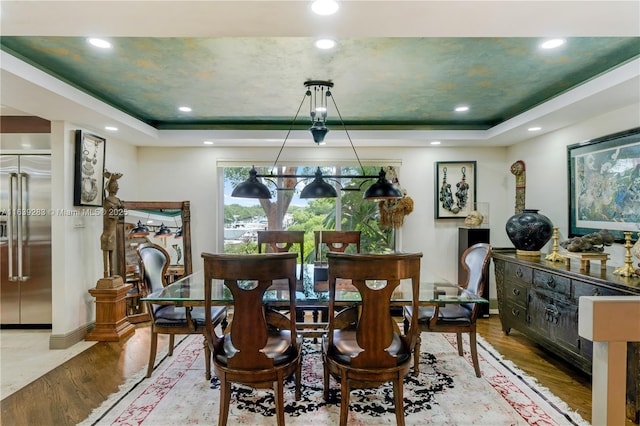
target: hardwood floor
68 394
562 379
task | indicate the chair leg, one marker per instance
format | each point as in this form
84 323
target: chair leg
278 386
152 353
474 353
171 341
326 378
398 396
416 356
225 399
207 359
299 379
460 348
345 394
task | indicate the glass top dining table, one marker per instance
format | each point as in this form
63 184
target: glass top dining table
189 291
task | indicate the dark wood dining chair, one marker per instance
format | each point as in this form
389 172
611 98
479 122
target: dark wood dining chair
335 241
456 318
364 346
171 319
283 242
261 346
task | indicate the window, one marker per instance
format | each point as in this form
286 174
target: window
243 217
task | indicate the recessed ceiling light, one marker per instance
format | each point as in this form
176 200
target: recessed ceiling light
325 7
534 129
98 42
553 43
435 142
462 108
208 142
184 109
325 43
111 128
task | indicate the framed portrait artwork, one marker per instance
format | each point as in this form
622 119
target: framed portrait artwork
604 184
89 167
455 190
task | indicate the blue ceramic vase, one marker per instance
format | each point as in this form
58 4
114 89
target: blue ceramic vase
529 230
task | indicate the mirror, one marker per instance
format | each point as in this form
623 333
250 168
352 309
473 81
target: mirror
163 220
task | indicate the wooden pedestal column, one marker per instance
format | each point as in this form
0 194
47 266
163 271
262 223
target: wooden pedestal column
111 312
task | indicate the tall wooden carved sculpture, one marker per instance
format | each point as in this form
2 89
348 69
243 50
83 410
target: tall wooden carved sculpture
518 170
110 291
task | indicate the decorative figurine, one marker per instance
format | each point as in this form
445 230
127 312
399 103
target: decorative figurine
474 218
113 209
593 242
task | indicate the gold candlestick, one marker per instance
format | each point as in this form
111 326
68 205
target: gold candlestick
627 269
554 256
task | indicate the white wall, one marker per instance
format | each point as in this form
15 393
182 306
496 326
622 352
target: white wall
76 254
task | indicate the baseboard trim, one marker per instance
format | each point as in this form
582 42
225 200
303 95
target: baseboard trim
63 341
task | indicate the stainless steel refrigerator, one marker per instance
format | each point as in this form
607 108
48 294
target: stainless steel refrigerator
25 240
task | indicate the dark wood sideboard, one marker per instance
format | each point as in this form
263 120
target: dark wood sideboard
540 298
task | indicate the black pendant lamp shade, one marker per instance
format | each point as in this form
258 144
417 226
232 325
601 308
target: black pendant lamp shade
251 188
163 232
382 189
139 230
319 188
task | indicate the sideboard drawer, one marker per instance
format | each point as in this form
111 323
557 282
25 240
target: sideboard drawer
514 272
552 283
516 293
516 314
581 288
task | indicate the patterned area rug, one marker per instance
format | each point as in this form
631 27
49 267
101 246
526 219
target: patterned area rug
446 392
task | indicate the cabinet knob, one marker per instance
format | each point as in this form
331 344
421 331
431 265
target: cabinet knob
596 292
550 282
519 273
515 291
515 312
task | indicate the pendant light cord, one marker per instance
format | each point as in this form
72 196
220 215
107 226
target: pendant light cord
347 132
289 132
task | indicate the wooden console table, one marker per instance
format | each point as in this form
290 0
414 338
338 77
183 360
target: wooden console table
540 299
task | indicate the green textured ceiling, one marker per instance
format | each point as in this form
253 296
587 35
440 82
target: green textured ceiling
379 82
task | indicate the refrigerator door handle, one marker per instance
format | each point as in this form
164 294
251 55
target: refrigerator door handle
11 216
23 186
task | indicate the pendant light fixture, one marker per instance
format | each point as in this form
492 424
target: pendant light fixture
319 188
319 92
178 234
163 232
139 230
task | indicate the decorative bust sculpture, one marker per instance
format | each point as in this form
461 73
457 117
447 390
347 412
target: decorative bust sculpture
474 218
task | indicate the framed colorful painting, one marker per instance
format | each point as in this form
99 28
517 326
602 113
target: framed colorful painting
604 184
